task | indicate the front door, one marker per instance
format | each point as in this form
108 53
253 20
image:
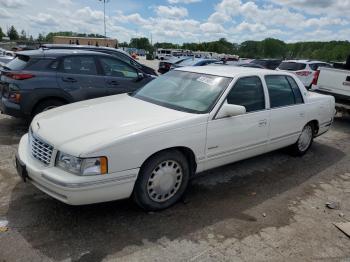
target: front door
119 76
234 138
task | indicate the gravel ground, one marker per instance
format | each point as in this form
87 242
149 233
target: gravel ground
267 208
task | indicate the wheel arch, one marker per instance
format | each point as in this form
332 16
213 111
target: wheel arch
186 151
316 126
43 99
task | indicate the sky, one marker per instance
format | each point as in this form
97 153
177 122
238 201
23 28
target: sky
180 21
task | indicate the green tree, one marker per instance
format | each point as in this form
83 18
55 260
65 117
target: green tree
12 33
23 36
123 44
41 38
1 34
141 43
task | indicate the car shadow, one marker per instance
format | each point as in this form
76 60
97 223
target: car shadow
90 233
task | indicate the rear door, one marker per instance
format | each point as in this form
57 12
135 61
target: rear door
287 111
119 76
79 76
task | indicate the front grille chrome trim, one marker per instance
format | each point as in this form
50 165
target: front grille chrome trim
40 150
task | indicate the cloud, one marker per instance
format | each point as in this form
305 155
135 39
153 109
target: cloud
13 3
171 11
328 7
183 1
4 13
87 14
43 20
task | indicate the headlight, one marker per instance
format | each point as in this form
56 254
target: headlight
82 166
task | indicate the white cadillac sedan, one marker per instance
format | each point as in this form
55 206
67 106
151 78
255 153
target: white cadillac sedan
147 145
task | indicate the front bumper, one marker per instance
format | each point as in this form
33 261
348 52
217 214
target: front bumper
11 109
72 189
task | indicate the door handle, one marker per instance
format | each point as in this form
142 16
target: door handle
301 114
69 79
262 123
113 83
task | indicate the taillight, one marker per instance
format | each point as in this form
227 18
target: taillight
315 80
303 73
19 76
15 97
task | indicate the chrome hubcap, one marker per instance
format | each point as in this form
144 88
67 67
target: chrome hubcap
305 138
164 181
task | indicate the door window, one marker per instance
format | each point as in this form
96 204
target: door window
117 68
82 65
248 92
296 90
280 91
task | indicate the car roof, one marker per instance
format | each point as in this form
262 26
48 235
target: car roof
230 71
304 61
57 52
67 46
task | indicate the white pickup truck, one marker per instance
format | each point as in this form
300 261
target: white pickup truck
335 82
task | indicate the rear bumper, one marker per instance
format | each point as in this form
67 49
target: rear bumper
72 189
11 109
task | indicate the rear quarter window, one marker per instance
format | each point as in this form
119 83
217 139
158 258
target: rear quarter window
292 66
41 65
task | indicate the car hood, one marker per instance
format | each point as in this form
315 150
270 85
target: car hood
99 120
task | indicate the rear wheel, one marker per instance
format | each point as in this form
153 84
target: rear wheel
162 181
304 141
47 105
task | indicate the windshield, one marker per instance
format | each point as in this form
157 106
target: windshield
184 91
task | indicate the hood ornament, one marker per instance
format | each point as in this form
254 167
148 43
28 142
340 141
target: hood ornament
37 123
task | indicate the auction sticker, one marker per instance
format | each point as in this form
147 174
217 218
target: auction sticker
206 80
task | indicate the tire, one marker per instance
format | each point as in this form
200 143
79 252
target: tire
162 181
47 105
304 141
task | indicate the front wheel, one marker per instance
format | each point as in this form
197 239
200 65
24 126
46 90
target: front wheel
304 141
162 181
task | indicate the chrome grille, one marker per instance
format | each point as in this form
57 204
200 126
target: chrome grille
41 150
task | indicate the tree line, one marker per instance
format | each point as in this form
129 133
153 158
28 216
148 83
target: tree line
268 48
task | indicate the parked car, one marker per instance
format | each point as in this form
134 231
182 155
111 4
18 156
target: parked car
335 82
252 65
304 69
39 80
194 62
267 63
164 66
119 53
148 145
6 56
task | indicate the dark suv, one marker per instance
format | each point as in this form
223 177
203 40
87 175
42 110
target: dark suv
121 54
267 63
38 80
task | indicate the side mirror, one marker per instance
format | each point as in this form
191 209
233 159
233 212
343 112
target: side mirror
228 110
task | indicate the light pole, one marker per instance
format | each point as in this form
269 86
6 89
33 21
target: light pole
104 15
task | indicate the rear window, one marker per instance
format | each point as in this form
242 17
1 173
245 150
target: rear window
18 63
292 66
